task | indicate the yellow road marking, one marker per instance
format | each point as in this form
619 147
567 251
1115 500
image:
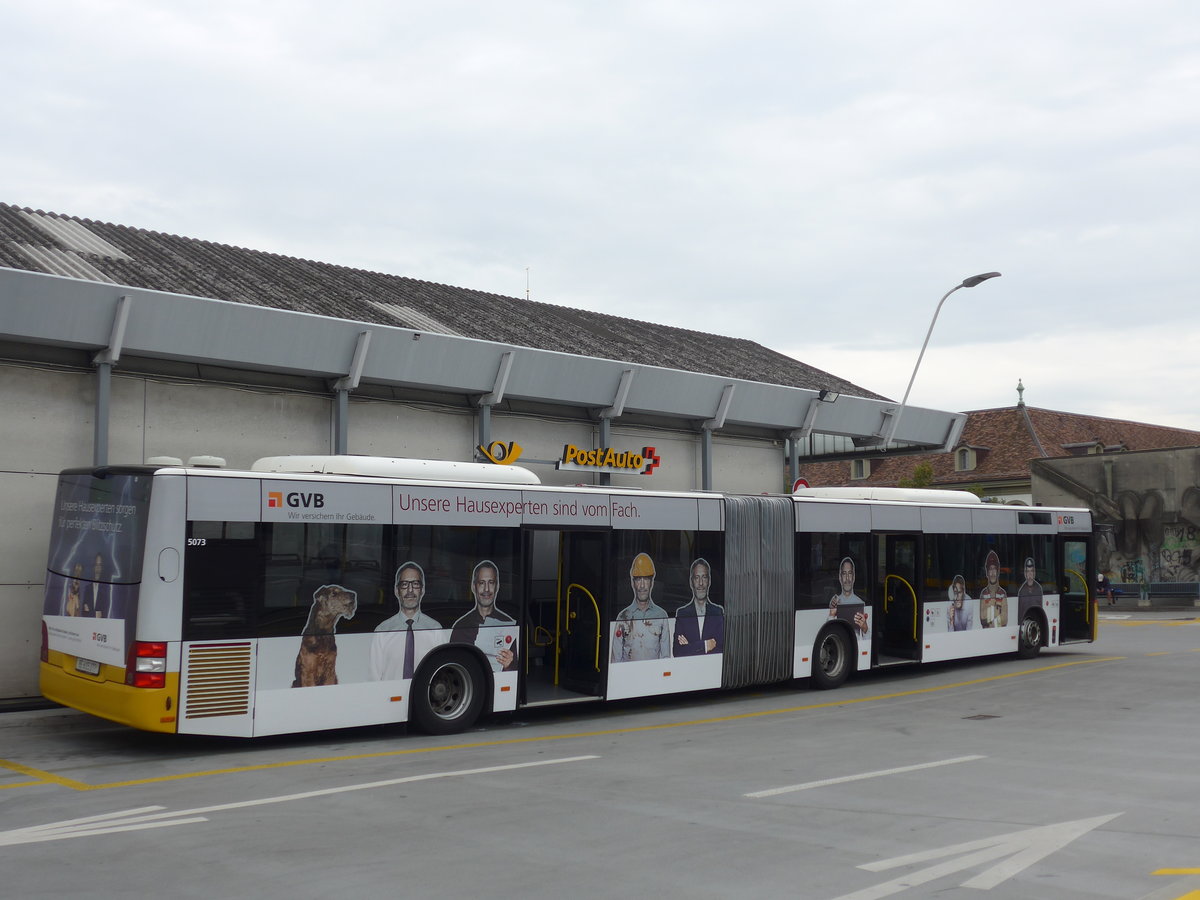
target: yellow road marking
42 777
79 786
1176 872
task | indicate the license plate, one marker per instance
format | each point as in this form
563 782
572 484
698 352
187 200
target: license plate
87 666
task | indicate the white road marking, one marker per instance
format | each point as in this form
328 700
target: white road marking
1024 848
149 816
771 792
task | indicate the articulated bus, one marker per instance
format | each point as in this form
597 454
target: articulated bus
328 592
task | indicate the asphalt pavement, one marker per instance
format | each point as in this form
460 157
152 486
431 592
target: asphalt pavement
1067 776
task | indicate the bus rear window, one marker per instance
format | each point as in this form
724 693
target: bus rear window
99 526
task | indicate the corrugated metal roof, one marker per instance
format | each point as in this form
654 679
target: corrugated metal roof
163 262
72 235
414 318
55 261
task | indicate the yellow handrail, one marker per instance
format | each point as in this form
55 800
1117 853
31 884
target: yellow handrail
1087 595
596 607
558 609
887 598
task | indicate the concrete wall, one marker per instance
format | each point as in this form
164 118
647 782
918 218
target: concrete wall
1152 500
239 424
48 427
48 413
382 428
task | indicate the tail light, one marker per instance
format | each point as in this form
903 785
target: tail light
147 664
45 643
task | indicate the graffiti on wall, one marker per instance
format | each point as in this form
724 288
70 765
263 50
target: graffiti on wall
1148 548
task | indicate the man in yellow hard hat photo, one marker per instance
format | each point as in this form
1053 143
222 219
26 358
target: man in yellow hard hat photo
642 630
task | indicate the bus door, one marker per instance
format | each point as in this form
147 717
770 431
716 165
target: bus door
896 598
1077 610
564 634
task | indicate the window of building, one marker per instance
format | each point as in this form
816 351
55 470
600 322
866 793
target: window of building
1085 448
860 468
964 460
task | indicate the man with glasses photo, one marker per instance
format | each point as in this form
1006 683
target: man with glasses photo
401 641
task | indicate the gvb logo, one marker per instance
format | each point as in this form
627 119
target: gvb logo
295 499
308 501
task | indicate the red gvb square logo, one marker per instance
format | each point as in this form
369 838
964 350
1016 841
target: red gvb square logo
274 498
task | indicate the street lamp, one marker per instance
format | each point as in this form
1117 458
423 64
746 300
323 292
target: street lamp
966 283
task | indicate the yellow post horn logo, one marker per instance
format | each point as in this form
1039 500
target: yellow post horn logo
500 453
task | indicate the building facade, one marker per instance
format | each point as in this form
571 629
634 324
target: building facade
1141 482
995 453
119 345
1151 502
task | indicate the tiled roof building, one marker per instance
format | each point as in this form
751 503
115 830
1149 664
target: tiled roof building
994 453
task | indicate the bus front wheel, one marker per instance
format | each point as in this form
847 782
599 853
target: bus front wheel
447 695
831 659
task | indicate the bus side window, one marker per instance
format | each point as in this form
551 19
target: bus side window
221 575
281 580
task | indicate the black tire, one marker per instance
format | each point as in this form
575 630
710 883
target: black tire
831 659
1029 639
447 693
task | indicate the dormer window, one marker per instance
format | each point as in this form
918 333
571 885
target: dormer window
1084 448
964 460
860 468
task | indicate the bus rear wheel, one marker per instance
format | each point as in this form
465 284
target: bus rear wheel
1029 642
447 695
831 659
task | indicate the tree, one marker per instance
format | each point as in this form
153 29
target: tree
922 476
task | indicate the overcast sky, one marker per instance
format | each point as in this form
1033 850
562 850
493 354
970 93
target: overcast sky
813 176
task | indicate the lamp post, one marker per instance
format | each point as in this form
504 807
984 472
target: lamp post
966 283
